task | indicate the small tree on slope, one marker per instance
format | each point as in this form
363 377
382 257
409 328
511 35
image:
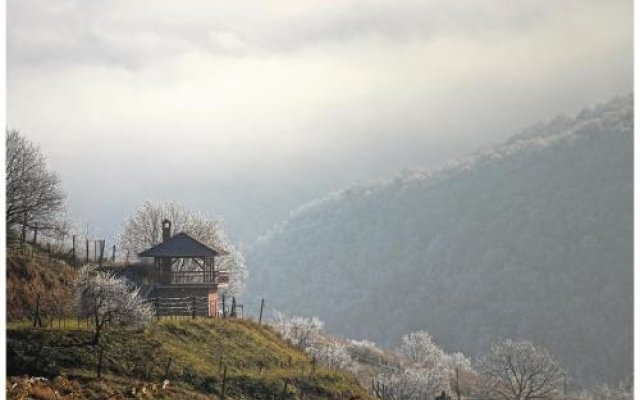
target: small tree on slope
109 301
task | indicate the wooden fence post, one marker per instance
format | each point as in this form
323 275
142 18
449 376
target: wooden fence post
113 254
261 309
99 366
457 383
73 249
87 253
224 382
166 370
101 244
233 307
37 321
23 238
35 234
224 310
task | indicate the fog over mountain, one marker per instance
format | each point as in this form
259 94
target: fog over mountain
531 239
246 109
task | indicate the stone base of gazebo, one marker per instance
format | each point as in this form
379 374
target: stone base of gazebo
194 300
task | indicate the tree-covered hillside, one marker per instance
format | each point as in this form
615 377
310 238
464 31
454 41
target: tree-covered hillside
532 239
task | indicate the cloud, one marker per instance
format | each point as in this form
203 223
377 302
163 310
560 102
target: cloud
164 92
131 33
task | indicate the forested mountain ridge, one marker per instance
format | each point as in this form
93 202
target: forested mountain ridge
531 239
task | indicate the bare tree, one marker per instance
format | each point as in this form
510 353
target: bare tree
33 191
144 229
109 300
521 371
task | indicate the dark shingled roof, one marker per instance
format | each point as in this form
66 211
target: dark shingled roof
181 245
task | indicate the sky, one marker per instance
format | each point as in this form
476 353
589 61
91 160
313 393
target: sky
247 109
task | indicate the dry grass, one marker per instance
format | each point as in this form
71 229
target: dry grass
27 278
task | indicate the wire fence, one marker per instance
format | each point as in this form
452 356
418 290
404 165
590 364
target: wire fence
64 314
75 249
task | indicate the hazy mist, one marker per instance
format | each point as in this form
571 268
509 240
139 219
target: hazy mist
246 109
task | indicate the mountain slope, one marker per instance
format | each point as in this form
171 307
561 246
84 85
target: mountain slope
532 239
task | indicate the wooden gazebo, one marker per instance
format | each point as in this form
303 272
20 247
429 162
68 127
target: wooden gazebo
184 272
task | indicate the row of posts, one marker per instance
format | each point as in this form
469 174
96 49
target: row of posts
98 247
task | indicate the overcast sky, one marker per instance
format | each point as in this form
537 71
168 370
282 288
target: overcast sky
221 104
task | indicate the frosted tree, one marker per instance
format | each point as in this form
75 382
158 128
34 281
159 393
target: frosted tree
366 351
520 371
458 361
412 384
419 348
424 374
332 354
299 331
144 229
109 301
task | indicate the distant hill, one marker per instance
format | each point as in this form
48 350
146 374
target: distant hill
531 239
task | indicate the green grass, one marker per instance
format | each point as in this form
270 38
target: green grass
259 364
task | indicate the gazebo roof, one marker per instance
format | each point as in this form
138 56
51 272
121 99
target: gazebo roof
181 246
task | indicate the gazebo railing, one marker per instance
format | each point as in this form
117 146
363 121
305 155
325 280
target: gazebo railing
177 277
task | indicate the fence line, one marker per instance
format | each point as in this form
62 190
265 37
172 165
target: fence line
64 315
75 249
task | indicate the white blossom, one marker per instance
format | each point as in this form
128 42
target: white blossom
108 299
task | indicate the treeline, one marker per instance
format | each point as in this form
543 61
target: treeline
530 240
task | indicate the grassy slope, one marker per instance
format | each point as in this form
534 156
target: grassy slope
258 362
